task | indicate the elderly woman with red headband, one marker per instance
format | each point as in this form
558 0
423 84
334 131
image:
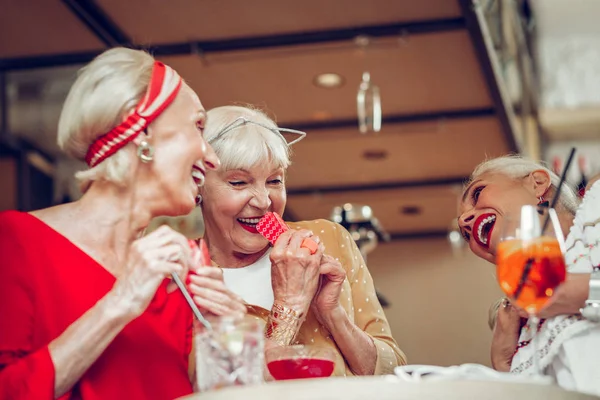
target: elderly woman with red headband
86 306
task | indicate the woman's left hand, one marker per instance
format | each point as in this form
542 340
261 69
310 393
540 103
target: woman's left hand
327 300
211 295
505 338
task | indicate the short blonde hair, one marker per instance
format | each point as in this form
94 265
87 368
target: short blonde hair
247 145
105 92
517 167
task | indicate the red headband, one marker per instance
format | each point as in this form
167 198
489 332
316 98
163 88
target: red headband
164 86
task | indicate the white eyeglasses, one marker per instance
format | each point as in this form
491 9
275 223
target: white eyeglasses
243 120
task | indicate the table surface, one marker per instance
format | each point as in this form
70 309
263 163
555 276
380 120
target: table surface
388 388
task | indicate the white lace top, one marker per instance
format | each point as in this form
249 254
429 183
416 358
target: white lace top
569 345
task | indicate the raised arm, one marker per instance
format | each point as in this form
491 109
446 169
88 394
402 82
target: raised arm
51 371
364 335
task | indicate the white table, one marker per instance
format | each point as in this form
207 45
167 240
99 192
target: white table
388 388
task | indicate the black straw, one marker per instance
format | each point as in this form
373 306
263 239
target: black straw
529 263
560 183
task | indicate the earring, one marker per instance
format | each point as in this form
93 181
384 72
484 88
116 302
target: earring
198 199
145 152
542 202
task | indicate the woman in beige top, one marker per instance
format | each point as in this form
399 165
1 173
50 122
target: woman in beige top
326 298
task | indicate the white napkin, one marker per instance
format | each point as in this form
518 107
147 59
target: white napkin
469 372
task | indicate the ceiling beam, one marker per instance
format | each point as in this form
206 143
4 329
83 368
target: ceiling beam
435 234
235 44
397 119
459 180
98 22
475 24
313 37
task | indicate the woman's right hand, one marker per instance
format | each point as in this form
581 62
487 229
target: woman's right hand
151 259
210 293
295 272
506 334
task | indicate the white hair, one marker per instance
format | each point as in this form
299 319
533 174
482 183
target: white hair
247 145
518 167
105 92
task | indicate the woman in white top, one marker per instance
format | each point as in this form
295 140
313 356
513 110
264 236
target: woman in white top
324 299
569 345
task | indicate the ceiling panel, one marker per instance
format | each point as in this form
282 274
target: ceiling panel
41 27
437 205
184 20
571 123
433 72
437 149
422 73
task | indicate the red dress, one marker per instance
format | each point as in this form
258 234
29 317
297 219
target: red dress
46 283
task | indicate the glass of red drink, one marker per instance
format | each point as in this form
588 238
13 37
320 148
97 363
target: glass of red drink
300 362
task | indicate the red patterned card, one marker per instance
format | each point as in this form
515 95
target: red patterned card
271 226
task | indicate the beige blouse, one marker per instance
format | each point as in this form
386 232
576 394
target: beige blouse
357 297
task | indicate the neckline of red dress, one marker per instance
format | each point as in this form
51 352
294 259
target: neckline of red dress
65 239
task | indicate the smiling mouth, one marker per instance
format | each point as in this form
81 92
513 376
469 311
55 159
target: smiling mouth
249 224
483 228
198 175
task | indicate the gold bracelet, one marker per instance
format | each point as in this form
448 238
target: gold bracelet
285 314
283 324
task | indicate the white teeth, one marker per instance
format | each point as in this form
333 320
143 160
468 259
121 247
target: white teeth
198 177
249 220
486 221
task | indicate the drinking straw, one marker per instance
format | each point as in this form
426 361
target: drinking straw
529 263
191 303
